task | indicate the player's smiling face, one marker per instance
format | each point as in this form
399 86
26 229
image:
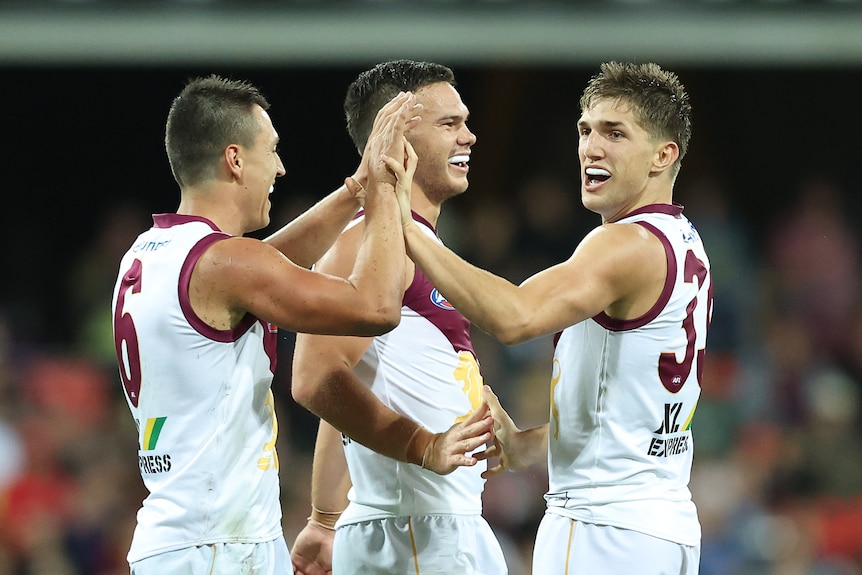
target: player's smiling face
616 156
442 141
262 165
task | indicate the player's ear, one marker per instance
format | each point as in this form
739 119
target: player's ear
665 156
233 160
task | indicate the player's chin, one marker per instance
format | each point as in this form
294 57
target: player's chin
264 219
460 185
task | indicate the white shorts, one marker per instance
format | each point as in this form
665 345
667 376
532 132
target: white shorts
423 545
270 558
568 547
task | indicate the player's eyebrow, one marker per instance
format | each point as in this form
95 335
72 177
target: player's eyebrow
605 124
454 117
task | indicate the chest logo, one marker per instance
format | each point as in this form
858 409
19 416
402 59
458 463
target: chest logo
440 301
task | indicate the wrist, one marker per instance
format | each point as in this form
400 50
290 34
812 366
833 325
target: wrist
416 449
349 197
324 519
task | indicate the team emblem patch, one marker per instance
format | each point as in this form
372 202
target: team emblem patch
440 301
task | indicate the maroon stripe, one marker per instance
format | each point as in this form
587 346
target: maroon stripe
222 335
615 324
170 220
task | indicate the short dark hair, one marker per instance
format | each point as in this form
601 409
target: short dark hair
373 88
658 99
208 115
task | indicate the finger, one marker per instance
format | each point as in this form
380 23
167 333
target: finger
399 110
471 443
491 398
384 115
490 452
411 158
468 430
354 186
492 471
392 105
478 414
396 167
493 403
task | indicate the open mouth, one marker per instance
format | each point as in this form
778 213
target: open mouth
597 175
460 161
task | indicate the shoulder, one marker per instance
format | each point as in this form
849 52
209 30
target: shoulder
627 256
627 242
225 250
237 259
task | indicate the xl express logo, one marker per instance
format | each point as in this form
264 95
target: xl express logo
151 462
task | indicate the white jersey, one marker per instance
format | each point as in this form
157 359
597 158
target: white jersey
623 394
425 369
200 397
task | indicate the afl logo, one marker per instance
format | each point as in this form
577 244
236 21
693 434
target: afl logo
440 301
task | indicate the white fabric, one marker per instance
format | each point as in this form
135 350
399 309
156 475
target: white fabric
270 558
429 545
565 546
620 439
431 376
427 370
205 411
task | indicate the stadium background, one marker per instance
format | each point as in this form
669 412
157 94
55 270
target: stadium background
771 181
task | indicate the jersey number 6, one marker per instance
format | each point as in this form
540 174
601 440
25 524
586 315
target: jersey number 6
124 332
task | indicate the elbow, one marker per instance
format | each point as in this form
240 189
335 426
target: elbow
379 318
390 316
514 331
306 385
384 320
510 337
302 392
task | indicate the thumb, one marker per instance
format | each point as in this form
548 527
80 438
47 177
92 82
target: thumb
498 414
493 401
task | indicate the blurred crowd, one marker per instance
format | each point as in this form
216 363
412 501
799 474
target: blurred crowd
778 449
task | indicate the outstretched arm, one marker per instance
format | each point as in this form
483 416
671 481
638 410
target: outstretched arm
617 268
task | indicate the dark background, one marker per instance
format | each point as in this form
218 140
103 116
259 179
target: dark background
83 142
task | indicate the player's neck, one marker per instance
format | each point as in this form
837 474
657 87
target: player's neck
420 204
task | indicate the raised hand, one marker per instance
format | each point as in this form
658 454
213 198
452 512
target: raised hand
449 450
404 176
392 120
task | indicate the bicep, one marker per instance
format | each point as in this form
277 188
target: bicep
250 276
603 270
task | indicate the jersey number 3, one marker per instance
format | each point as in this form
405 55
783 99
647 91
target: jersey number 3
674 374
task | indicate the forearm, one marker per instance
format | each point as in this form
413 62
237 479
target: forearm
330 479
379 268
491 303
310 235
530 446
350 408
